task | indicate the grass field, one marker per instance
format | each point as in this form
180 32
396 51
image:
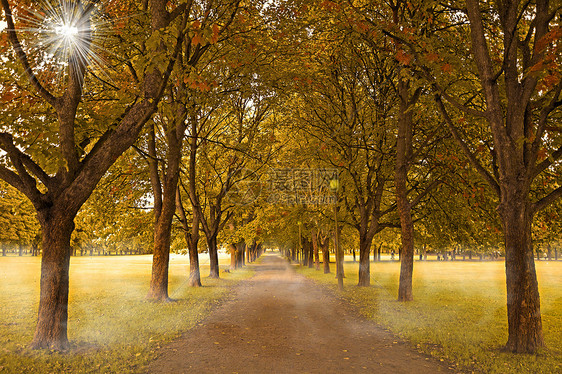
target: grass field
111 327
459 311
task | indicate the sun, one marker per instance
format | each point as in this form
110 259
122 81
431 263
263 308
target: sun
68 32
60 33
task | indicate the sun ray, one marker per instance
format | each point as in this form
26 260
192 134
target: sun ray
58 33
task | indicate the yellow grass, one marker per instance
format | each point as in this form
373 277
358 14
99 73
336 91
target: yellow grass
459 311
111 326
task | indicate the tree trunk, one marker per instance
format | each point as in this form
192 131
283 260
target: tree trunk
310 248
52 319
315 249
213 257
324 245
364 262
192 240
523 301
239 257
407 256
232 249
158 290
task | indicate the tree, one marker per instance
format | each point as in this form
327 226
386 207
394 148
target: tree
61 194
348 108
498 64
207 29
519 109
19 226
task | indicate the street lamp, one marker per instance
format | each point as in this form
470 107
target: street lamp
334 187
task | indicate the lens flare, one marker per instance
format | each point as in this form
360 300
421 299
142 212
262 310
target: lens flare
58 33
67 32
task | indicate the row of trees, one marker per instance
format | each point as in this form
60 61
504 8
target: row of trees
206 123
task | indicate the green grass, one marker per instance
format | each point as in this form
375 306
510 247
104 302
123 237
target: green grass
458 313
111 327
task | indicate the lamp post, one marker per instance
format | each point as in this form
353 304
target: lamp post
334 186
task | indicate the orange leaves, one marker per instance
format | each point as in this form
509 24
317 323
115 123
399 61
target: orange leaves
362 26
432 57
7 96
204 35
542 154
196 82
553 35
196 40
329 5
403 57
447 68
216 32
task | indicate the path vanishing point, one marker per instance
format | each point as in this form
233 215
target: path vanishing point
280 322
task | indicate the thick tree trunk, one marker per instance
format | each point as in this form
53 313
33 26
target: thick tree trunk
51 329
213 257
523 301
158 290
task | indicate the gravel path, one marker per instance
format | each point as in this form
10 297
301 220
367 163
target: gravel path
280 322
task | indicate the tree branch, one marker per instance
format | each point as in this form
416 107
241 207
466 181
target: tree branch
471 157
418 198
547 200
22 56
431 79
546 163
11 178
6 143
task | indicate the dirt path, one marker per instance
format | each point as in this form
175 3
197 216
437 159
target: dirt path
280 322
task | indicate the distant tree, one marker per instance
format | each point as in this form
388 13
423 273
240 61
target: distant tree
17 219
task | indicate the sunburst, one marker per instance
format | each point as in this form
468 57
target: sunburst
60 33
